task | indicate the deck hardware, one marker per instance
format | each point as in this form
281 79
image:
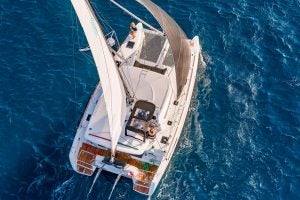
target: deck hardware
164 140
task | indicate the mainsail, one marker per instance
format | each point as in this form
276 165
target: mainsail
177 39
113 89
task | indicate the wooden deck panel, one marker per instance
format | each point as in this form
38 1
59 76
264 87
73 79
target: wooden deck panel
142 183
85 170
87 155
119 156
141 189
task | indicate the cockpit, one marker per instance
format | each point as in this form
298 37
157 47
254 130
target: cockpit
142 123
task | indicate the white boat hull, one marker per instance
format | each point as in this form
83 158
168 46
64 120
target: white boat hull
178 123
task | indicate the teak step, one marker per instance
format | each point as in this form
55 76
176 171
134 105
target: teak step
141 189
84 170
85 159
84 164
142 183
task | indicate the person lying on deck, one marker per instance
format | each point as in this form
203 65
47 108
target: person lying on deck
133 29
152 128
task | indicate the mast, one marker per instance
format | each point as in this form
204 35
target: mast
111 83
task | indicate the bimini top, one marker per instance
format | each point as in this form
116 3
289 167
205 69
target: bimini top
177 39
137 123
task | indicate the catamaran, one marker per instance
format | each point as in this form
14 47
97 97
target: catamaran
135 116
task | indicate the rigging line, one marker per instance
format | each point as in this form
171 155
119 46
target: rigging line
77 31
118 43
101 17
73 57
89 59
104 21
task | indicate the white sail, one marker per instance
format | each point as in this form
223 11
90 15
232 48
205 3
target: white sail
113 89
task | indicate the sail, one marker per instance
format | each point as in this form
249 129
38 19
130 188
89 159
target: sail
111 83
177 39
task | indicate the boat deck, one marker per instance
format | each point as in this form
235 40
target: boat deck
142 180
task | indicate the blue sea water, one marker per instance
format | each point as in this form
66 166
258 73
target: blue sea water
241 139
